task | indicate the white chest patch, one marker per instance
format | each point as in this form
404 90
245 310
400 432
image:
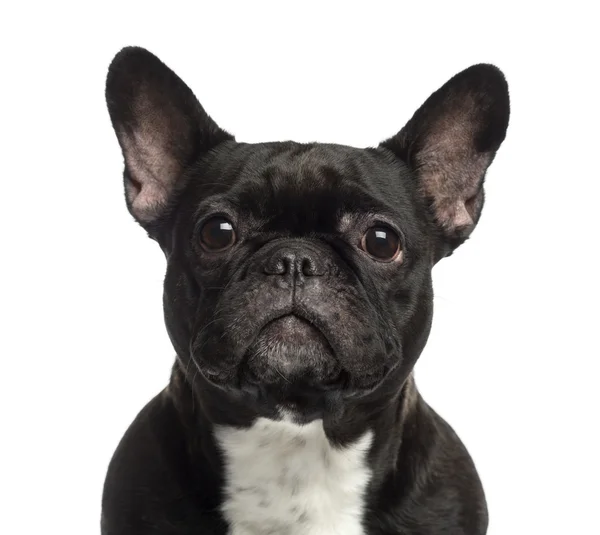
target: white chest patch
287 479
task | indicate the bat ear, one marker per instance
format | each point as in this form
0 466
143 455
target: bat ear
161 127
450 142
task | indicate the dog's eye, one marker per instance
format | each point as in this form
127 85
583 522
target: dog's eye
217 234
382 243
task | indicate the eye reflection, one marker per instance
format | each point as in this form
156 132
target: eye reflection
382 243
217 234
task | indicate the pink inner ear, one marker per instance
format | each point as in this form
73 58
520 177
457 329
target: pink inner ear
151 146
153 171
451 170
457 217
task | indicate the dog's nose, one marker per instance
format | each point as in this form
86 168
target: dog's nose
294 262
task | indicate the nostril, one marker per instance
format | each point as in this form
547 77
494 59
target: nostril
310 267
275 267
295 263
307 267
279 265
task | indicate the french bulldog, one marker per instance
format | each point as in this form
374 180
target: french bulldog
298 298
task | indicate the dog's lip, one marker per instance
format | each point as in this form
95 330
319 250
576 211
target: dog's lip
221 377
293 312
230 379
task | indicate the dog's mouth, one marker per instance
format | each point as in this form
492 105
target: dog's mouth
292 330
291 364
291 350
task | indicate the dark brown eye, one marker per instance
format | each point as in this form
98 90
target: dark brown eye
217 234
382 243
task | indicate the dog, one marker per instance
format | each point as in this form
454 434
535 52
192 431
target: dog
298 297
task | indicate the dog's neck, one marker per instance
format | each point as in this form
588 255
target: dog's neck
271 469
386 421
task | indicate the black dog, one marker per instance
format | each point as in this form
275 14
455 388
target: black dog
298 298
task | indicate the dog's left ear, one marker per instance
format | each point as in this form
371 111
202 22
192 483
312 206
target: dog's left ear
450 142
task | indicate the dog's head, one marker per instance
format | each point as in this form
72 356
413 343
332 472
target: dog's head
299 270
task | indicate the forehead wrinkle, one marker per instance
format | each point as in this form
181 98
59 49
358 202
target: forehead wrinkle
312 185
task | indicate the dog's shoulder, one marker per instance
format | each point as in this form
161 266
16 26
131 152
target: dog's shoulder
153 485
435 488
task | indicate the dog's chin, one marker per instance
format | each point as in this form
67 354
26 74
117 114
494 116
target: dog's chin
291 353
291 367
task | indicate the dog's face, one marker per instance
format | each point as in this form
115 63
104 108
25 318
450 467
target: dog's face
298 273
301 271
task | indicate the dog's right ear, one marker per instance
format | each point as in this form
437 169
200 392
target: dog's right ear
161 127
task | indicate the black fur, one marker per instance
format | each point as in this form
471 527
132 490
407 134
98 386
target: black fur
299 212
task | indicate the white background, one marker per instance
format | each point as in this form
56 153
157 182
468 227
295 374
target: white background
513 356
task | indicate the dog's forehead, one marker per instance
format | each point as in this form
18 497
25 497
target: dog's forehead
317 183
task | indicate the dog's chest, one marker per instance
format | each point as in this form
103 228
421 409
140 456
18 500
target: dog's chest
286 479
